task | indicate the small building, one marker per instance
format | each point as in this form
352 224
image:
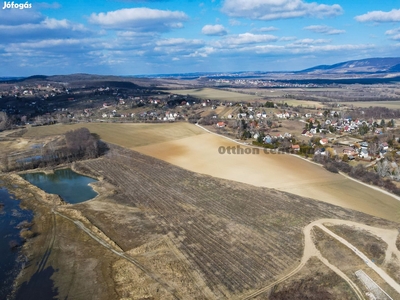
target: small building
296 148
324 141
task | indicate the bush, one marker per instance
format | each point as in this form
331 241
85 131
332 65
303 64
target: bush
344 167
358 171
26 234
331 167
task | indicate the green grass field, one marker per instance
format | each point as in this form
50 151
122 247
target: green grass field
127 135
215 94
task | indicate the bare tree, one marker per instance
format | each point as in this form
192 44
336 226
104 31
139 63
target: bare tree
382 168
3 120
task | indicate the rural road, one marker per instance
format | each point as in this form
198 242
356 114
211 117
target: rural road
310 250
389 280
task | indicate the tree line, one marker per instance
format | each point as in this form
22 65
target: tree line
77 145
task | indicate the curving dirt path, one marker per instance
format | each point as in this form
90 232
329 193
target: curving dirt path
310 250
389 236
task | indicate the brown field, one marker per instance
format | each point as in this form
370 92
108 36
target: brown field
347 262
279 171
388 104
215 94
313 282
303 103
201 231
190 147
124 134
184 235
369 244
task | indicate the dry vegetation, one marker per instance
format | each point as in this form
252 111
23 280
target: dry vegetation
194 236
127 135
216 94
363 104
344 258
398 242
236 237
314 282
369 244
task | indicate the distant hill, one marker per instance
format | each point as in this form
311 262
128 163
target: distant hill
81 79
362 66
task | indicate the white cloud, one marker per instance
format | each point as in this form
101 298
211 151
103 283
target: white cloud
394 33
140 19
249 38
263 49
396 37
324 29
266 29
287 38
278 9
380 16
178 41
334 48
234 22
306 42
178 46
214 30
203 52
46 29
19 16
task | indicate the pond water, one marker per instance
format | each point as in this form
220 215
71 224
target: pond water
11 218
71 186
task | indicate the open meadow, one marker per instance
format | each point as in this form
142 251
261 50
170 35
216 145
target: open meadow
387 104
215 94
278 96
192 148
279 171
124 134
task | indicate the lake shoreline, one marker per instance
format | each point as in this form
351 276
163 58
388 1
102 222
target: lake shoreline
40 204
16 223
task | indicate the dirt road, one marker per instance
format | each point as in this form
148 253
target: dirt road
310 250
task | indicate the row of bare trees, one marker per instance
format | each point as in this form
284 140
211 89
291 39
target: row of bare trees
78 144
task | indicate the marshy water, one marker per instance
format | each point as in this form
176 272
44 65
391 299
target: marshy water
72 187
12 220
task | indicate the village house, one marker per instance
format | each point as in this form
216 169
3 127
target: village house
305 132
267 139
350 151
221 124
324 141
296 148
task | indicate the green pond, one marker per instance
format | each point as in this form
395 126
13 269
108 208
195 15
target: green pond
72 187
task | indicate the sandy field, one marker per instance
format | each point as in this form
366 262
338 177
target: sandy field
280 171
387 104
215 94
124 134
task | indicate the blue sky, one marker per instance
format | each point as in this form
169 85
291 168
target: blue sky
132 37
